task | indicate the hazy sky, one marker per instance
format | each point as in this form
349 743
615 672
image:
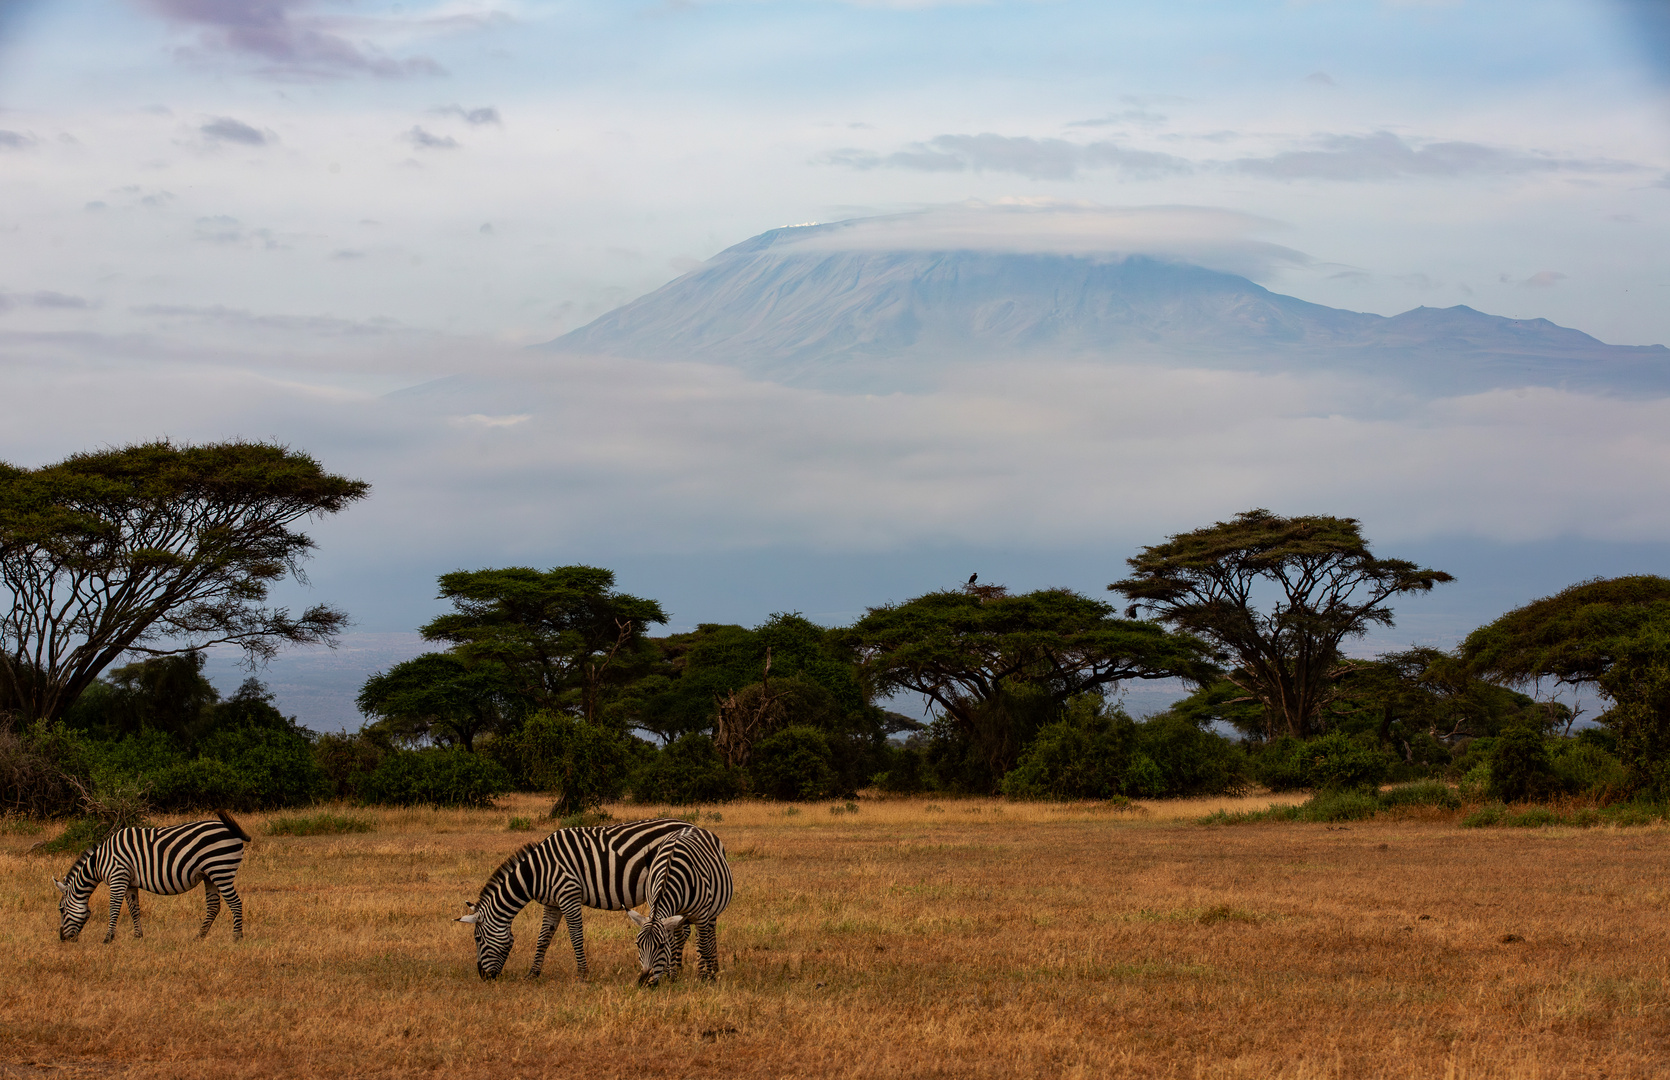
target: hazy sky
258 217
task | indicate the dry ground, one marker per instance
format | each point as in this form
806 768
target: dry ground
912 939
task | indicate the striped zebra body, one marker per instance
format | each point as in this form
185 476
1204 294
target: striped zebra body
599 866
689 885
166 861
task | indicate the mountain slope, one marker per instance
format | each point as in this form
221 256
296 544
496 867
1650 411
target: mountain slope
785 306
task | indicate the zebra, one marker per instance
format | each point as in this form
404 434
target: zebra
689 883
600 866
166 861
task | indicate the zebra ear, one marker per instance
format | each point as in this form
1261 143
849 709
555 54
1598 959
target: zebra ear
637 919
672 921
470 918
60 886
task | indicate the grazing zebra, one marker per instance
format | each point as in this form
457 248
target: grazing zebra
689 883
165 861
600 866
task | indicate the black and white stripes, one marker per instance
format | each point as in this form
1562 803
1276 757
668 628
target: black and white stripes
689 885
605 866
165 861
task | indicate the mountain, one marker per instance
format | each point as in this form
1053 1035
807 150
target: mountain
793 306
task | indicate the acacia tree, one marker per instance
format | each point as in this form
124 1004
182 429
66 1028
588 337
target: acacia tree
977 652
1611 634
1327 586
562 635
155 550
440 697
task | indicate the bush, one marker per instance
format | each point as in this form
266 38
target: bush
908 770
794 764
1584 767
321 824
79 834
1081 756
583 765
1421 793
1174 757
687 770
35 771
346 760
436 778
1520 768
1331 762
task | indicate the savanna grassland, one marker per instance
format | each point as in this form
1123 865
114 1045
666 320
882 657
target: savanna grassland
908 938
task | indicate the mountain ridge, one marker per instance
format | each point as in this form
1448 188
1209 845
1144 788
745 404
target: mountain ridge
783 308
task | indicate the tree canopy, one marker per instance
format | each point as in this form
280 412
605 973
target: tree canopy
1327 585
440 697
562 635
976 652
152 549
1574 636
1611 633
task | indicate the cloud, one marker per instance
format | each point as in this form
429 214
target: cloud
1207 236
423 140
1385 156
321 326
1321 78
1124 116
14 140
1542 279
226 129
1036 159
286 36
474 117
45 298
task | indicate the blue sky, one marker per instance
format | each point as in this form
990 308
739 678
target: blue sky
234 218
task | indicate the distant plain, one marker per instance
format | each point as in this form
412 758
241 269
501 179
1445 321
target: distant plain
941 938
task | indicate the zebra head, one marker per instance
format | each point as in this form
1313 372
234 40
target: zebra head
655 945
492 939
73 892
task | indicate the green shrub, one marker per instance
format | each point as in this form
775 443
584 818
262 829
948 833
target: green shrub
346 760
1343 804
583 765
1485 816
79 834
1634 813
320 824
36 770
1584 767
1421 793
1520 768
1174 758
1332 762
436 778
794 764
1081 756
520 824
907 770
687 770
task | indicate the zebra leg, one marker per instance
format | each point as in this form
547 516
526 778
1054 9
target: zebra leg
707 949
133 910
211 896
118 883
680 937
547 929
236 903
569 902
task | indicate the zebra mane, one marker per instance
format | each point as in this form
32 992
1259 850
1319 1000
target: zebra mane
79 859
504 867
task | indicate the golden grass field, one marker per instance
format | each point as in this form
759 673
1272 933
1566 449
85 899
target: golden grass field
910 939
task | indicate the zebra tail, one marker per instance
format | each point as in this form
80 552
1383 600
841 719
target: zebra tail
236 829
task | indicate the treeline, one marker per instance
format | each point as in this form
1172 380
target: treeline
552 680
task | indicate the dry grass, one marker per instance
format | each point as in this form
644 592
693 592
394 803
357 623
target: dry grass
974 938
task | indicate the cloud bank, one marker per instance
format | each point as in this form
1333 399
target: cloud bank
1207 236
1380 155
